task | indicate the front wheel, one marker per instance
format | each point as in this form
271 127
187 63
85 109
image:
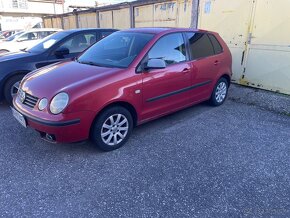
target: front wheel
220 92
11 87
112 128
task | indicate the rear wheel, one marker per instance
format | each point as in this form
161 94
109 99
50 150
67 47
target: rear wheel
220 92
112 128
11 87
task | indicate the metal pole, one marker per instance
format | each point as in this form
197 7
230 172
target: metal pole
54 6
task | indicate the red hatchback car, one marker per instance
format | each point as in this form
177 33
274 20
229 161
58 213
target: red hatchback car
124 80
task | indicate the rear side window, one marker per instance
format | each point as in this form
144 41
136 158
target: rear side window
105 34
200 45
216 45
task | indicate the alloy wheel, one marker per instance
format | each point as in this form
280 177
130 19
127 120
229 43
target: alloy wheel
14 89
114 129
221 92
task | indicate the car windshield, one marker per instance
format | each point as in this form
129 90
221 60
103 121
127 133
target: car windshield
117 50
47 42
10 38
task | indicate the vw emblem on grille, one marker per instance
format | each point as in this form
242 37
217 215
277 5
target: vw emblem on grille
21 95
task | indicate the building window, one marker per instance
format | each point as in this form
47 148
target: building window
22 4
48 1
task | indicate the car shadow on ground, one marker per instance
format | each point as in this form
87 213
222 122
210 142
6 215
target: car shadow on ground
89 147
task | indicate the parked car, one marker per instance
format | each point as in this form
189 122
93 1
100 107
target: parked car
8 33
60 46
126 79
25 39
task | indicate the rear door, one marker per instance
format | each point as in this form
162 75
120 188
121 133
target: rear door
166 90
205 62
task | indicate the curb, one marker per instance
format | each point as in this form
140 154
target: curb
266 100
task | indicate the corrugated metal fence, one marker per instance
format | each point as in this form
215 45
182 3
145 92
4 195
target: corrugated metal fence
174 13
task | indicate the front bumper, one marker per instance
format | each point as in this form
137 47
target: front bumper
65 128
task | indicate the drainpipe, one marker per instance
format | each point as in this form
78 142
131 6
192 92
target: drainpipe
194 14
132 17
54 7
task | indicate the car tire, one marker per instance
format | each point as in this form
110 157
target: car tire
112 128
10 87
220 92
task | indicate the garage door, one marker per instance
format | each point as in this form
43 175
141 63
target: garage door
268 61
231 19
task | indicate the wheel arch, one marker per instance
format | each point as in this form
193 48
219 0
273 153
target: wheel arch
9 76
227 77
124 104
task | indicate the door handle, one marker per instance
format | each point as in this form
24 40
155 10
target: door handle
186 70
217 62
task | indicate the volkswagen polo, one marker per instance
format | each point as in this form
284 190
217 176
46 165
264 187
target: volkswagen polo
126 79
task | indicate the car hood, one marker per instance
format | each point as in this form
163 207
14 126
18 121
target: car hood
14 55
64 76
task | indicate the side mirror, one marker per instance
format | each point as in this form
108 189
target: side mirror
155 64
62 51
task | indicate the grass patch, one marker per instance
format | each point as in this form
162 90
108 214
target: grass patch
286 113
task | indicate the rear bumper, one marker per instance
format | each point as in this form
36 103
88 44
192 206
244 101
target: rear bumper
64 128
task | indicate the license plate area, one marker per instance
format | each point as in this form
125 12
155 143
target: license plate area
19 117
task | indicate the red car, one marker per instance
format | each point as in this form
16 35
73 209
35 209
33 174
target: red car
124 80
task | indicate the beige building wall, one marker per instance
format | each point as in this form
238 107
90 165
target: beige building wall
57 22
106 19
121 18
87 20
166 14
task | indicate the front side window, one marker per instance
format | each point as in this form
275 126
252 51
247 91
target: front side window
116 50
28 36
80 42
200 45
170 48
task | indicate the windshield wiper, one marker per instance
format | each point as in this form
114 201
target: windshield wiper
25 50
89 63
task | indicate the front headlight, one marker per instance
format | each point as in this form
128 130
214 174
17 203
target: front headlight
59 103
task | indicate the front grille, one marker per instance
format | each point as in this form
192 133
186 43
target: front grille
30 100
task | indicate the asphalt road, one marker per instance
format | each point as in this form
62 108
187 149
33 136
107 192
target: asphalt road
230 161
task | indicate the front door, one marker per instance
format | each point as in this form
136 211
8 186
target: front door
166 90
76 44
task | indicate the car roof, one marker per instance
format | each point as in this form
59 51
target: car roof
85 29
158 30
41 30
